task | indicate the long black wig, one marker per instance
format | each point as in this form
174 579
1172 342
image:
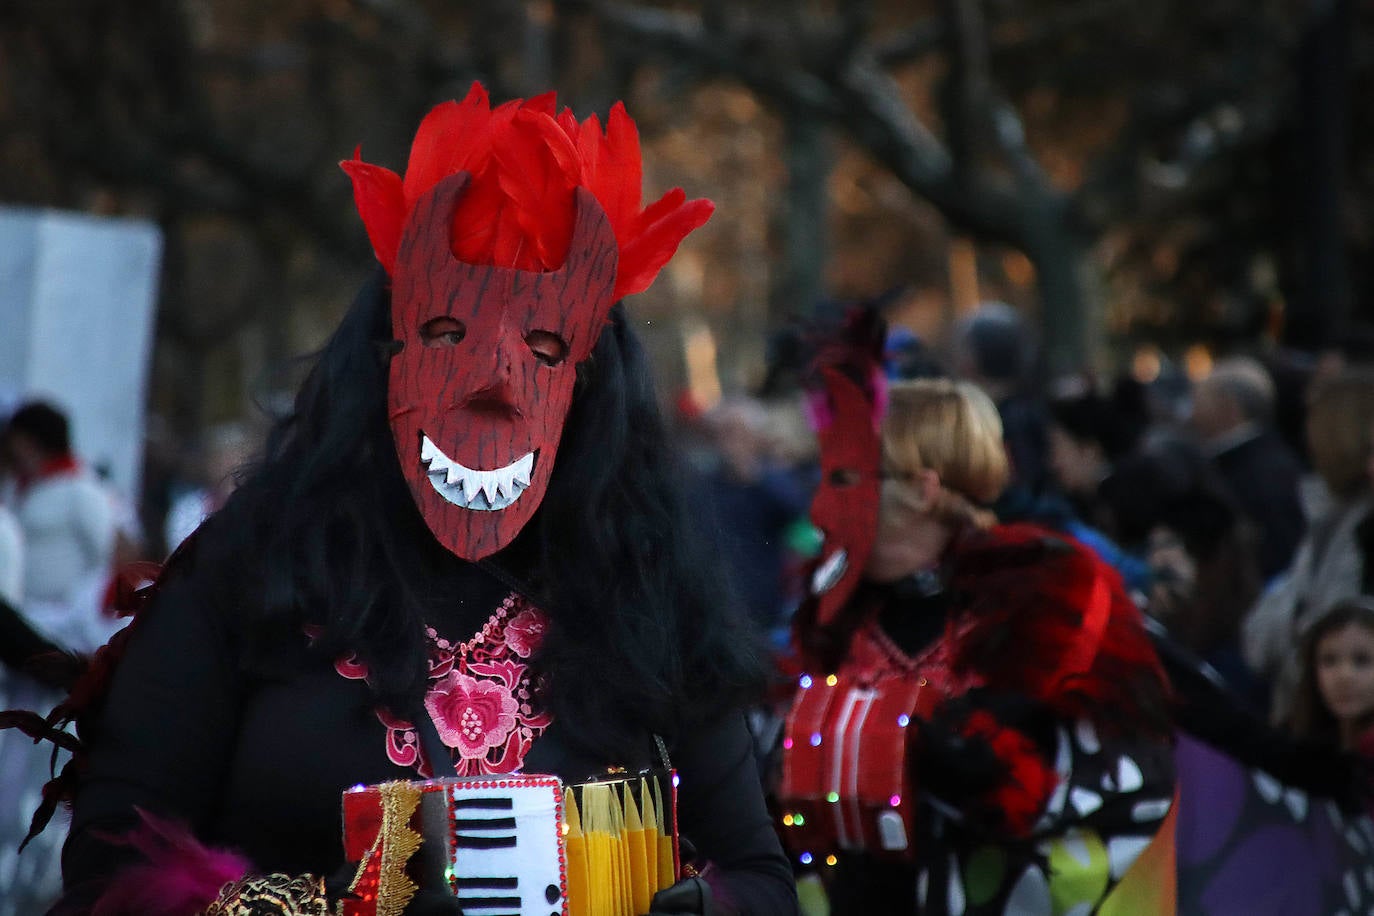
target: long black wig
643 637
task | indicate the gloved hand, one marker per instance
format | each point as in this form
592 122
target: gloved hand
688 897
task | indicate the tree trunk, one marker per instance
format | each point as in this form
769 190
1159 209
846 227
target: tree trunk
800 282
1060 256
1320 314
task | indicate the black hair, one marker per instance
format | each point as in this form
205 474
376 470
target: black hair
1114 423
44 424
998 341
1170 483
641 637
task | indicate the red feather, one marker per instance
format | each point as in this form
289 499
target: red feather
525 159
645 255
483 232
568 121
619 180
658 210
538 170
452 138
545 103
378 195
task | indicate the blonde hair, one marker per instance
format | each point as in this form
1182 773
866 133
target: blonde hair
951 428
1340 417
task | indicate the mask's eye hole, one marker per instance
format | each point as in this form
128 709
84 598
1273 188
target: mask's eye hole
843 477
548 347
444 331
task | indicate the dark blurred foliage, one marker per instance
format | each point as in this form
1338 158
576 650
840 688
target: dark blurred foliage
1185 170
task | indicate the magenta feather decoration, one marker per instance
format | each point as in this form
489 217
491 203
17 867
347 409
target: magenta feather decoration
178 877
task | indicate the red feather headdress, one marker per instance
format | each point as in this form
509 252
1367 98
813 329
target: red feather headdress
525 160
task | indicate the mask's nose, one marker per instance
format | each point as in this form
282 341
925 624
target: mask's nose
497 393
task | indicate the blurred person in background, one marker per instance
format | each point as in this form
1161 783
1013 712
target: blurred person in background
68 525
751 502
1165 504
228 449
1088 434
1330 565
994 349
1232 415
907 356
129 543
994 672
1334 699
68 533
11 558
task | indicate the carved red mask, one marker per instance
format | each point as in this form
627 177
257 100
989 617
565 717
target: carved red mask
513 232
845 505
481 386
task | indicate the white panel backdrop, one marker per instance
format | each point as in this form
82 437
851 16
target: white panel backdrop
78 297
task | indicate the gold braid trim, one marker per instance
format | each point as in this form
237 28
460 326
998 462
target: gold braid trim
272 895
395 843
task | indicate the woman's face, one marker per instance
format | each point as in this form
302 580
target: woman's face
909 538
1345 671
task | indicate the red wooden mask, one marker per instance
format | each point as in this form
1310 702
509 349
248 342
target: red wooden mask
481 386
845 505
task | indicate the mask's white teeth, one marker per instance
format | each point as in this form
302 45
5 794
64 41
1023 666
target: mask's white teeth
505 487
520 471
474 489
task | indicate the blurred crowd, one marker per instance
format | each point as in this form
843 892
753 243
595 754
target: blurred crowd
1236 505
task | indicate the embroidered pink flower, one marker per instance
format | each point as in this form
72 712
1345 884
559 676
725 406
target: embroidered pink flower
471 715
489 716
525 632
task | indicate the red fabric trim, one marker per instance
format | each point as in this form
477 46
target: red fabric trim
57 466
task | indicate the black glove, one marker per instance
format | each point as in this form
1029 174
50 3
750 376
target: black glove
689 897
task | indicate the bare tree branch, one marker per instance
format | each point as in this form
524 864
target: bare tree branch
863 101
923 38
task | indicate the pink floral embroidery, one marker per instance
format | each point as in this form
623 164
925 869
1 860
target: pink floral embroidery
479 695
525 632
471 715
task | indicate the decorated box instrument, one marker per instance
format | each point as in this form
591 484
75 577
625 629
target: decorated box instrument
513 845
846 782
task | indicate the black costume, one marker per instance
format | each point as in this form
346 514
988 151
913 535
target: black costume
258 764
409 582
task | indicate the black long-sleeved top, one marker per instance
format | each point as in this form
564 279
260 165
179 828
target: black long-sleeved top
258 765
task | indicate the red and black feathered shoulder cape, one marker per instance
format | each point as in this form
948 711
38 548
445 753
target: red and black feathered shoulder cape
1047 620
